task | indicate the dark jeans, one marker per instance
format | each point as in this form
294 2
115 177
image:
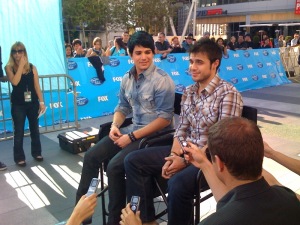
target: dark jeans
19 114
105 149
140 168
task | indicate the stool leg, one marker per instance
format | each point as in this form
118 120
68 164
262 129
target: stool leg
101 194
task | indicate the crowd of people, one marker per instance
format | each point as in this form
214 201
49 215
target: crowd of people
163 46
210 120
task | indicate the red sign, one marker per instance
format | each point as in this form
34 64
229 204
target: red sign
219 11
297 7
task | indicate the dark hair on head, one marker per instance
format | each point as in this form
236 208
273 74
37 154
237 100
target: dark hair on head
162 33
76 41
120 42
209 48
238 143
140 38
219 39
68 45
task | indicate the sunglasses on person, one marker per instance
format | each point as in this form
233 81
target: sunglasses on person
17 51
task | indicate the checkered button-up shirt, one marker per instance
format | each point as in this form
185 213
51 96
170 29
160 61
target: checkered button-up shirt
218 100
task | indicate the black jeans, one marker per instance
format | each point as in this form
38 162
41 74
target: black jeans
19 114
105 149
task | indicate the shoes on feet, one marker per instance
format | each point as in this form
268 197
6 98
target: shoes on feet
21 163
39 158
2 166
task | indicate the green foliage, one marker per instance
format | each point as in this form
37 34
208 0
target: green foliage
106 15
256 39
288 38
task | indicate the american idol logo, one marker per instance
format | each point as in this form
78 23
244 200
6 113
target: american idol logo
95 81
254 77
179 88
265 53
114 62
72 65
260 65
273 75
239 67
187 72
246 54
56 122
171 58
234 80
81 101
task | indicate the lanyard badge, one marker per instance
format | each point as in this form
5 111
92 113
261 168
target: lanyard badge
27 96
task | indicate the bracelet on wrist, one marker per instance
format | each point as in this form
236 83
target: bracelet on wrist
42 103
115 124
174 153
132 137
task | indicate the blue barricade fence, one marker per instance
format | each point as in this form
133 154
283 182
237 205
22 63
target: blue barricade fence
245 69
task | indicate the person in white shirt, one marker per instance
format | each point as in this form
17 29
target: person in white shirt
295 41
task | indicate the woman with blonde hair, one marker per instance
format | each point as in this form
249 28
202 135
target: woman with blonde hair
96 50
26 101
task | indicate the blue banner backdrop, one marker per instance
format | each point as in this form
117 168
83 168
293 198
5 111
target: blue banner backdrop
245 69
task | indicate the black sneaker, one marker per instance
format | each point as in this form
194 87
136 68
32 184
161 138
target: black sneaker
2 166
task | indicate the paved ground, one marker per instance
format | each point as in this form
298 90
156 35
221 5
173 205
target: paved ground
44 193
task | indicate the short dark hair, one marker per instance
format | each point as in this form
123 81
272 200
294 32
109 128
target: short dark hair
208 47
76 41
162 33
141 38
238 143
120 43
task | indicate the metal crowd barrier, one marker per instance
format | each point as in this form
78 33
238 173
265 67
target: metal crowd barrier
289 57
55 88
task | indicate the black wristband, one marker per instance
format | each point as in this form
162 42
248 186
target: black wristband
132 137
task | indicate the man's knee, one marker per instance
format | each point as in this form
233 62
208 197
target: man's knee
180 187
129 160
175 186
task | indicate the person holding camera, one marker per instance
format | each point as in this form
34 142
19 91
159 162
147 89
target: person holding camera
234 174
85 208
78 50
26 101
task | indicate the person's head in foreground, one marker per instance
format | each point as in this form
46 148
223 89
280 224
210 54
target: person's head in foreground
236 143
